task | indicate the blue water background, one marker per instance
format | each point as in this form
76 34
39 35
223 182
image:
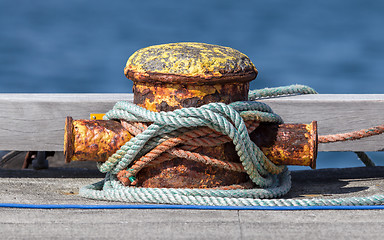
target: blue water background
78 46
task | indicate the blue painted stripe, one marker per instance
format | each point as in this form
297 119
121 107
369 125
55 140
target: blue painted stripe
192 207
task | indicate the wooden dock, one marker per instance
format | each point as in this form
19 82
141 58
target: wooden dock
36 122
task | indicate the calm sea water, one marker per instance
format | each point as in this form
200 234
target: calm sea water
78 46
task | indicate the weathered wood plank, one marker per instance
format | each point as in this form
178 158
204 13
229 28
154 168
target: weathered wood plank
36 121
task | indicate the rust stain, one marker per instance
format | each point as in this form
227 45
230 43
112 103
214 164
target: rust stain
179 173
167 97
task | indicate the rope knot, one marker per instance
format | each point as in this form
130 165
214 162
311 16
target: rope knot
165 135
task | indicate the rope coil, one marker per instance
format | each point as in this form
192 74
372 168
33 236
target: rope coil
157 136
219 117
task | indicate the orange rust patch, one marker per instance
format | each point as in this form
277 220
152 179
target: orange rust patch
167 97
97 140
288 144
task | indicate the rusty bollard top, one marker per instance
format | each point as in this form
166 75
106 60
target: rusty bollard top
175 75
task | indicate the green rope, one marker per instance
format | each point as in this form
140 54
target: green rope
271 181
280 91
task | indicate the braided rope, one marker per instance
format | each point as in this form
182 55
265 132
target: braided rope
158 141
280 91
352 135
111 189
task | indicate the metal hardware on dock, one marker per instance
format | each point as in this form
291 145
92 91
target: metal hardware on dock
283 144
172 76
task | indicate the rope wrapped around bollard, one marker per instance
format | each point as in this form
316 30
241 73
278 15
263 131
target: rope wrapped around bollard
166 128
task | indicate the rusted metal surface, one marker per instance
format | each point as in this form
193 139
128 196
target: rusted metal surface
93 140
180 173
288 144
37 158
284 144
157 96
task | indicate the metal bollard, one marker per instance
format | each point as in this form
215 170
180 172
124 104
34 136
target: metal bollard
171 76
284 144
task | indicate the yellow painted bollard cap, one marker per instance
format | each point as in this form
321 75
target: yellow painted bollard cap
189 63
